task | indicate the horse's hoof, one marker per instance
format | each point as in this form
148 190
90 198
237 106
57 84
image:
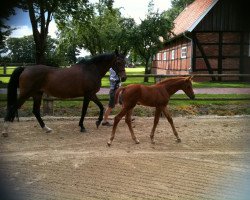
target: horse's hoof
97 123
83 130
47 129
5 134
178 140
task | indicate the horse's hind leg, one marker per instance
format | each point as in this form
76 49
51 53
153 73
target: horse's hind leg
128 121
36 111
156 121
11 113
84 110
170 120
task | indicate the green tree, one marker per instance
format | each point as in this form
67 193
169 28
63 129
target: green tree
103 30
6 10
40 13
176 7
23 49
149 35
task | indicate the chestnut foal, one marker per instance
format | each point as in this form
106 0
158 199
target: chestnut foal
157 95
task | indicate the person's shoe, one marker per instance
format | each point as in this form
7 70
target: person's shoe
107 124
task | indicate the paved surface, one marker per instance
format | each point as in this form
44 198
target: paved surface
196 91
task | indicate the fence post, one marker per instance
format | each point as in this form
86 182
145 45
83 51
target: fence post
48 105
4 69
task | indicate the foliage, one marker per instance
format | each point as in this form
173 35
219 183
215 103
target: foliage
147 36
6 10
176 7
22 50
97 28
40 13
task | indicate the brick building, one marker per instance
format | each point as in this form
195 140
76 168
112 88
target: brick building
210 36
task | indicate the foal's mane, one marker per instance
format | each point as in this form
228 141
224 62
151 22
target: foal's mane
97 58
171 80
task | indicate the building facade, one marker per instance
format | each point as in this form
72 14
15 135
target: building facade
210 36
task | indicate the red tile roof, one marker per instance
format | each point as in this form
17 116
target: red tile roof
192 15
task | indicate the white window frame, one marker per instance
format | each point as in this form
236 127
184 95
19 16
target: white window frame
172 54
158 56
184 52
164 55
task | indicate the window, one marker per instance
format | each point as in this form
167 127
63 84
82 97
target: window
172 55
184 52
158 56
165 55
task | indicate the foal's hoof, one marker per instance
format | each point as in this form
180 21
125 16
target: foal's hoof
5 134
178 140
137 141
97 123
109 143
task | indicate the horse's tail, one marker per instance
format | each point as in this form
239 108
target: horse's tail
118 95
12 94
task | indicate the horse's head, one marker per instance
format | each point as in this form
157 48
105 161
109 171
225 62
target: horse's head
119 65
188 89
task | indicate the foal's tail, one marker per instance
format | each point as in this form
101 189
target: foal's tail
118 95
12 94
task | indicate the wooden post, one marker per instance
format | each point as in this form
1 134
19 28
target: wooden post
48 105
4 69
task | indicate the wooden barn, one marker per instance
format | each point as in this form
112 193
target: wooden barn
210 36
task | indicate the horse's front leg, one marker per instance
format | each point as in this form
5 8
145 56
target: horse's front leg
117 119
170 120
84 110
99 104
156 121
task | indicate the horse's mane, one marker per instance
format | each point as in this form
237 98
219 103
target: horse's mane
96 58
171 80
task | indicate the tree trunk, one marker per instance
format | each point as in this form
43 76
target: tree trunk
40 52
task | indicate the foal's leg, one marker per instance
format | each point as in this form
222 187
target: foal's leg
128 121
170 120
84 110
36 111
116 121
156 120
99 104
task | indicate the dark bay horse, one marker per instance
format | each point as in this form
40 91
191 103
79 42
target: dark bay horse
80 80
157 96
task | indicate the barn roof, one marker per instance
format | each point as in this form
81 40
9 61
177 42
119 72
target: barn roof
189 18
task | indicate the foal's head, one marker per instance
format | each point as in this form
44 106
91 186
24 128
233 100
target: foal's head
119 65
187 87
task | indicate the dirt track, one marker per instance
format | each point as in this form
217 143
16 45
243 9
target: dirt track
212 162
